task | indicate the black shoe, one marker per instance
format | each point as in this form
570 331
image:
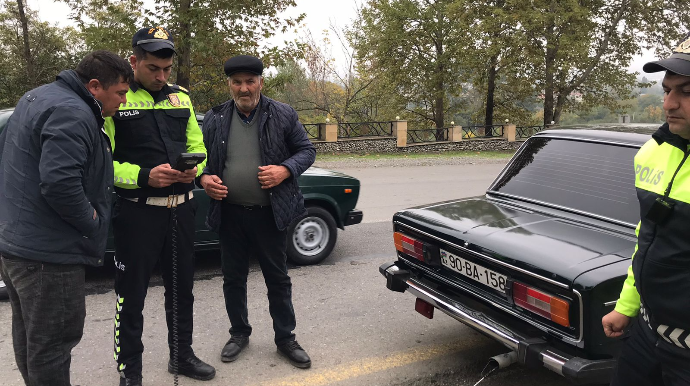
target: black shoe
130 381
194 368
233 348
296 354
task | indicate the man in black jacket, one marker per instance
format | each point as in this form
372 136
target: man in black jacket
257 149
56 178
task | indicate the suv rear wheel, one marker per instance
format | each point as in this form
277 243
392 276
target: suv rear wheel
311 239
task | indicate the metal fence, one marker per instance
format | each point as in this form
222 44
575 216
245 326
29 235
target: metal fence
527 131
312 130
428 135
479 131
365 129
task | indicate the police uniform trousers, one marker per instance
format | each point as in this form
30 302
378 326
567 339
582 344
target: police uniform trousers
143 238
250 232
648 360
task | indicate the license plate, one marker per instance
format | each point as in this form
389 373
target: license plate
474 271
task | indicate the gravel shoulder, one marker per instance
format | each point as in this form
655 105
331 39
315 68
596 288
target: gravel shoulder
353 162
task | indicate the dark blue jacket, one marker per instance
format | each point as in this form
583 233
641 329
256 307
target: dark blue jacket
55 169
283 141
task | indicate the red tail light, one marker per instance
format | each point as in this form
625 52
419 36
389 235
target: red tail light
542 303
409 246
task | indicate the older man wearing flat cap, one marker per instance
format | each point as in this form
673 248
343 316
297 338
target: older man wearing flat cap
257 149
657 290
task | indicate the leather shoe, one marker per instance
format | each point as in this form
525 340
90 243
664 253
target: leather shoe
130 381
296 354
193 367
233 348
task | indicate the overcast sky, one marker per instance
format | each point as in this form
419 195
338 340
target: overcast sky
320 14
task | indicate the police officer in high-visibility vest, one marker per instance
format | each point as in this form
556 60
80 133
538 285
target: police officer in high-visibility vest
153 217
657 290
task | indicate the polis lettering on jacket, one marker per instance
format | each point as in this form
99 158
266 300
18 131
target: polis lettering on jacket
128 113
648 175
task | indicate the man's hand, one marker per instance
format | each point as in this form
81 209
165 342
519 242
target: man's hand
187 176
95 214
614 323
214 187
272 175
163 175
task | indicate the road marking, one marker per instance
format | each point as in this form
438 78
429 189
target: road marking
366 366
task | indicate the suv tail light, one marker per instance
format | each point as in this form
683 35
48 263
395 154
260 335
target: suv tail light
542 303
409 246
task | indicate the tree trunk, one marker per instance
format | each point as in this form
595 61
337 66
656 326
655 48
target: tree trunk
549 85
560 103
549 67
490 89
27 48
183 48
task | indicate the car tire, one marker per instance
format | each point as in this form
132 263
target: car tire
3 291
312 238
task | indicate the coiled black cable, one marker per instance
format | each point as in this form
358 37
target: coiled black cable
176 351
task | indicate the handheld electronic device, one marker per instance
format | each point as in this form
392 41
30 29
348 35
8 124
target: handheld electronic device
188 161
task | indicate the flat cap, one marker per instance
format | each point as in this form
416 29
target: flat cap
244 63
678 62
153 39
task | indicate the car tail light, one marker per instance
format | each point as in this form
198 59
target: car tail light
409 246
542 303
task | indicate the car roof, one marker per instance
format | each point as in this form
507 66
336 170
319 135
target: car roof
634 138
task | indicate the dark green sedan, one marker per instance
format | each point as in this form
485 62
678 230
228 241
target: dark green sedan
330 198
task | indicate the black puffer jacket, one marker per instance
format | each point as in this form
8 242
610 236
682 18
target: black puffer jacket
56 167
283 142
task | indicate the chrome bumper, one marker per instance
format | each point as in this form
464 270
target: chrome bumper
532 351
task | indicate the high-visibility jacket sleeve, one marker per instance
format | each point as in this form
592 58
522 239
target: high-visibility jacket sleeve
195 140
126 174
629 300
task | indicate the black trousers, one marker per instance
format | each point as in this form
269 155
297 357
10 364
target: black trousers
48 311
648 360
144 237
246 233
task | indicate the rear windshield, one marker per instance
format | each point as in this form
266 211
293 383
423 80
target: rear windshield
585 176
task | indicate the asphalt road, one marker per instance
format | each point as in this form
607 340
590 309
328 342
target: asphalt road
356 331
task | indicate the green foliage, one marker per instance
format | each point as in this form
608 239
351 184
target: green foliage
107 24
53 49
586 47
411 52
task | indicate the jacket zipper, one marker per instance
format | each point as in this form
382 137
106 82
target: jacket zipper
654 231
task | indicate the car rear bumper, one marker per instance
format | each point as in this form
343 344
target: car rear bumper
530 348
353 217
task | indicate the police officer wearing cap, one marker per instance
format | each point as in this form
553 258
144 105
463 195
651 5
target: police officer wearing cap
657 290
155 207
257 149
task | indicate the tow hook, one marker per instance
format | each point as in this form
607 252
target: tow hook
396 278
497 362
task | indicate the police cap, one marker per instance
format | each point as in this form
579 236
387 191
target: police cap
678 62
153 39
244 63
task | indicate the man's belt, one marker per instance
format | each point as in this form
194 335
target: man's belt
169 201
675 336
